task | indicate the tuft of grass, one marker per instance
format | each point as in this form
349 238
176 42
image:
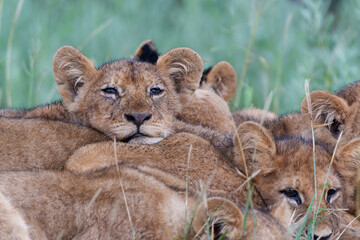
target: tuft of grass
305 220
247 59
347 226
123 192
358 192
8 51
318 43
1 9
93 34
307 92
279 69
186 230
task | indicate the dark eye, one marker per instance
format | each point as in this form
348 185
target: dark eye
155 91
110 91
331 193
292 194
334 128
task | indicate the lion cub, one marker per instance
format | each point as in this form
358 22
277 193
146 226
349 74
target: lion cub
221 79
284 169
201 107
109 100
61 205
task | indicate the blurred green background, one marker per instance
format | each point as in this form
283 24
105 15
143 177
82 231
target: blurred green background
274 45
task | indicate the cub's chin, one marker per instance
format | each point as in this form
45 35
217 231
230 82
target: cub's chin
145 140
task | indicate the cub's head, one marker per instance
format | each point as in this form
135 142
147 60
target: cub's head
331 115
286 173
127 98
221 78
226 220
207 106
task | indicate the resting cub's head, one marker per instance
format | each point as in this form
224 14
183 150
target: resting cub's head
127 98
286 174
335 115
207 106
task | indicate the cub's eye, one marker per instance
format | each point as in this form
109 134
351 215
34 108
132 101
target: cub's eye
155 91
334 128
292 194
110 91
330 194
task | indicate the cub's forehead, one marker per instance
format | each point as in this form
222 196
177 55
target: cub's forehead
129 72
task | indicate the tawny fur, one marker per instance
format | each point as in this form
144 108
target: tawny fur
226 218
12 223
61 205
288 164
222 79
33 144
81 85
92 206
350 93
171 156
256 114
283 164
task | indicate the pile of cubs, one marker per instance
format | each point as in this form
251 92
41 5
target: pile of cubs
147 148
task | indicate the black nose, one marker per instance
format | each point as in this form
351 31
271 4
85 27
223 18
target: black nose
137 118
316 237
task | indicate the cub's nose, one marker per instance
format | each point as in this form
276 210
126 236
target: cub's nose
323 236
137 118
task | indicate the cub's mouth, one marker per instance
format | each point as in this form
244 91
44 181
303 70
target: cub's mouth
135 135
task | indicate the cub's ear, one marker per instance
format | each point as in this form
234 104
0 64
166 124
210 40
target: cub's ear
221 78
71 70
183 67
348 159
327 108
224 215
256 144
147 52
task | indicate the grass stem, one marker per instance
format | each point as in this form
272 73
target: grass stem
8 52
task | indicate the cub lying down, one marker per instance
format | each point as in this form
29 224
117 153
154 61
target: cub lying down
110 100
62 205
40 143
330 114
285 170
202 107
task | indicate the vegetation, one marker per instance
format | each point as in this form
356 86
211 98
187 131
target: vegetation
273 45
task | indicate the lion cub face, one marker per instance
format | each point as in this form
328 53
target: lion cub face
286 173
127 99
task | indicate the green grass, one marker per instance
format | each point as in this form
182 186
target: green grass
273 45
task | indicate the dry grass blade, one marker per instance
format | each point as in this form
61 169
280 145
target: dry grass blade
358 192
8 51
79 220
254 174
123 191
1 8
308 99
187 192
247 57
242 152
207 221
266 106
322 125
280 63
94 33
347 226
202 197
328 173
